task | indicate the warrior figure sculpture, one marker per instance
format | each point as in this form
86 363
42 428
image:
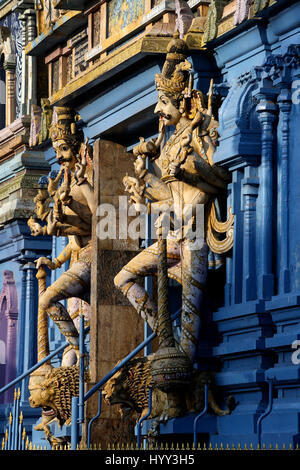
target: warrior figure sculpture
72 198
184 177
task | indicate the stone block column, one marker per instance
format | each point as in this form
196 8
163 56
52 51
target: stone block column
10 78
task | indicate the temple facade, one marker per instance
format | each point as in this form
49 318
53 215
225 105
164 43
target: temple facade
100 59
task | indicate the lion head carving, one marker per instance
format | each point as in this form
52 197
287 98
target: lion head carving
54 394
129 388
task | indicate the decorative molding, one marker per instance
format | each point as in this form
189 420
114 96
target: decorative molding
280 65
116 60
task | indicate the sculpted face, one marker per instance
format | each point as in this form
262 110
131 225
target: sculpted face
41 397
65 154
167 111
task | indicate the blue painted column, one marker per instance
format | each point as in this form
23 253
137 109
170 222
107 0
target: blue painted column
30 340
228 283
21 324
237 263
249 195
267 111
285 104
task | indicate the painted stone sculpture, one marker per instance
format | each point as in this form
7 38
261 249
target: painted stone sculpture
184 178
129 389
71 194
51 389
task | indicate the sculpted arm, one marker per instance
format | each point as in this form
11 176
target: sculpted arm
157 190
64 256
197 167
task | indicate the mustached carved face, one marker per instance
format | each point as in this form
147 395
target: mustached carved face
167 111
65 154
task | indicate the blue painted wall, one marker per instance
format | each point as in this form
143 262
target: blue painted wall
251 335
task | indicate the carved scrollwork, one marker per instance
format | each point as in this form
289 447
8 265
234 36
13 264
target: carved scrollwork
215 227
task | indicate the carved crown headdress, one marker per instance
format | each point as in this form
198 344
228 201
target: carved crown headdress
63 125
177 70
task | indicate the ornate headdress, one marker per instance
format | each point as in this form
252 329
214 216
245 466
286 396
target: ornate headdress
63 126
176 72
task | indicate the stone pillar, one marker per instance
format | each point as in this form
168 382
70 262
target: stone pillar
116 328
31 71
237 250
30 320
285 103
11 344
249 196
21 325
267 111
23 21
10 78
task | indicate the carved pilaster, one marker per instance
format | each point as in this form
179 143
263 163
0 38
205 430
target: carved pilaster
280 69
267 113
285 104
31 61
10 78
250 193
30 307
23 21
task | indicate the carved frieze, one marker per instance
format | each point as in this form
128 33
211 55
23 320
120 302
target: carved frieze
122 13
41 117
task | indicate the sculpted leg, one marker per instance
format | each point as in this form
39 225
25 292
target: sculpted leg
73 283
144 264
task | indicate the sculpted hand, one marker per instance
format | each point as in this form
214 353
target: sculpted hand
35 228
174 169
139 207
140 166
80 168
54 182
186 138
43 261
51 224
65 188
57 212
204 124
